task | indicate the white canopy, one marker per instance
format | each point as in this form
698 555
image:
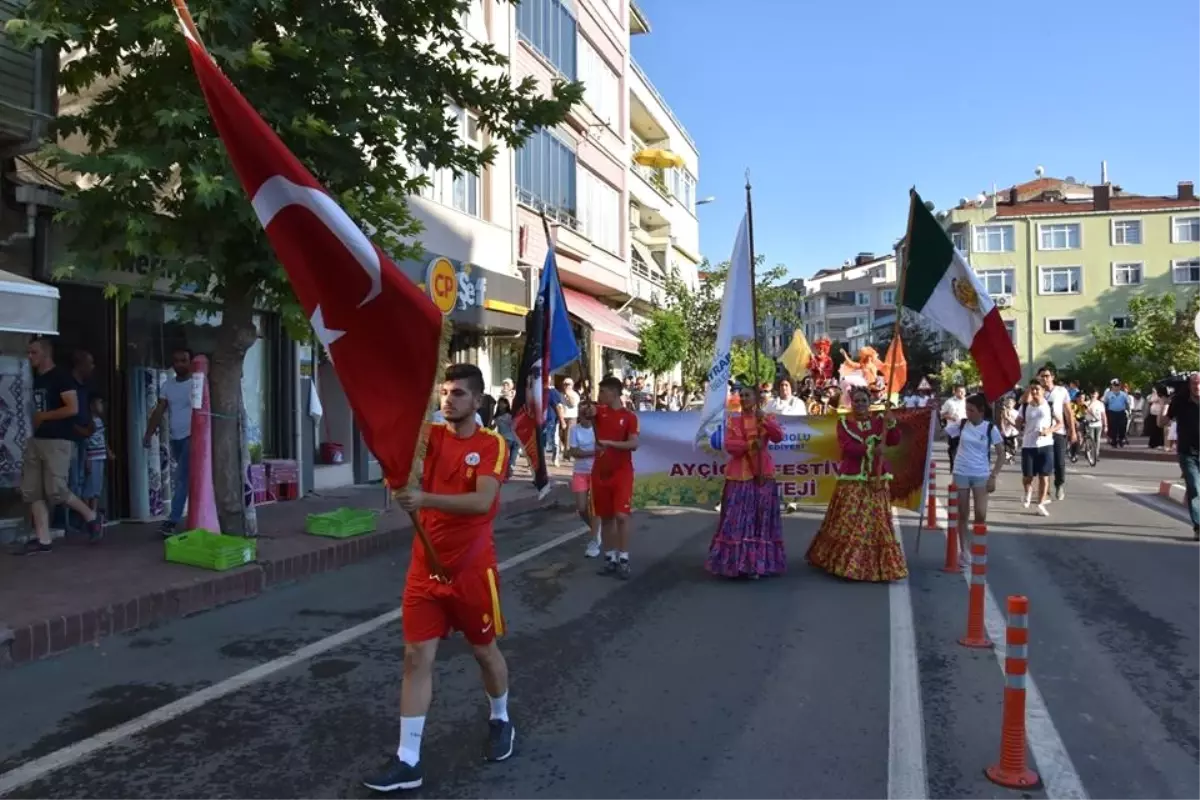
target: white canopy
27 306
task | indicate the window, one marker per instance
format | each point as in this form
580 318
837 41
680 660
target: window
1060 325
862 320
1185 229
549 27
960 241
683 187
887 297
998 281
862 298
1127 274
472 21
599 211
1061 280
457 190
601 87
1059 237
1186 271
1010 325
1122 323
546 175
505 358
1126 231
994 239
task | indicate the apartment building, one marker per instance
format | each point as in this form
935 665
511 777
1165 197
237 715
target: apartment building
618 227
1061 257
850 303
776 334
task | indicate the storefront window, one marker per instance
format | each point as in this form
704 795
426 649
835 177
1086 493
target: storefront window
505 355
154 330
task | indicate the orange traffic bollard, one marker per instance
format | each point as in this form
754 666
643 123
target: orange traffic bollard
976 632
931 520
1012 771
951 564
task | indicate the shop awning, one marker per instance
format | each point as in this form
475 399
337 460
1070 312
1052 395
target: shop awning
27 306
609 328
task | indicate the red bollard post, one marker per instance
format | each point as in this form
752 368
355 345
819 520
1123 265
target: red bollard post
976 630
931 521
951 564
1012 770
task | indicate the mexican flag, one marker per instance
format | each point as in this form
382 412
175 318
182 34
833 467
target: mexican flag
938 283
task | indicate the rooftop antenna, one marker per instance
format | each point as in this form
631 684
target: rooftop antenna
1039 170
1103 173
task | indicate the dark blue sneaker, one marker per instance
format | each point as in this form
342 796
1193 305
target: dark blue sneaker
501 740
33 547
95 528
396 777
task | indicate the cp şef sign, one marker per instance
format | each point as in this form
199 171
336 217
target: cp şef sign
441 281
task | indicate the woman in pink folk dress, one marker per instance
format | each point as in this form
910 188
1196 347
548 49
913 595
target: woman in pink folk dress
749 538
856 540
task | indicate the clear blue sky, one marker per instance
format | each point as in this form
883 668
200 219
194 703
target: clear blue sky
837 108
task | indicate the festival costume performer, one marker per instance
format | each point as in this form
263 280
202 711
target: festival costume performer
820 365
749 537
459 496
856 540
612 476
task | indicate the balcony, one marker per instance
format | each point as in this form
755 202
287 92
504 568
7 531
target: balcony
662 103
653 180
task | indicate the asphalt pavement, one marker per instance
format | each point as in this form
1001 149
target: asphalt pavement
673 684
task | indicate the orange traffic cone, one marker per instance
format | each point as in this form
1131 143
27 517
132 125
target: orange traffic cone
976 631
1012 771
951 564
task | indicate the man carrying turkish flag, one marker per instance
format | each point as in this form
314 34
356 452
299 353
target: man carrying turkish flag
354 295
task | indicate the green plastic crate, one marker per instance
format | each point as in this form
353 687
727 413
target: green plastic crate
208 550
342 523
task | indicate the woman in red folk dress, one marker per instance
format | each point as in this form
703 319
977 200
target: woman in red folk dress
749 538
856 540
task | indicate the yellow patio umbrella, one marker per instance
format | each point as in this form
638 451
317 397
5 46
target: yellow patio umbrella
658 158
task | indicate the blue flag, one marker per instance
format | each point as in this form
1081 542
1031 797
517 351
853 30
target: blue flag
559 343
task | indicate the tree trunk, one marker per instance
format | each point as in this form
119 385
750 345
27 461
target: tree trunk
234 337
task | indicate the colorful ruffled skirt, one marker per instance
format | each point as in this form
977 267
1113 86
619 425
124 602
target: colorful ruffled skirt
856 540
749 538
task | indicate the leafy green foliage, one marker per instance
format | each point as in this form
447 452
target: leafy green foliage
743 365
700 311
357 89
963 371
663 339
1159 341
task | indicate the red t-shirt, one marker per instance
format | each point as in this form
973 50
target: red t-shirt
614 425
454 466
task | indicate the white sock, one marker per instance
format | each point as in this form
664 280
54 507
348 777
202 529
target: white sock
411 730
499 706
623 555
611 555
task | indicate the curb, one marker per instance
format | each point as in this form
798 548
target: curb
1175 492
58 634
1140 454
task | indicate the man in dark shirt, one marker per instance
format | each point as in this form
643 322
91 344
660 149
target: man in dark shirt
1184 411
47 458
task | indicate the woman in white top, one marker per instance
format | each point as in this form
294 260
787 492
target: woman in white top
975 469
1038 424
582 448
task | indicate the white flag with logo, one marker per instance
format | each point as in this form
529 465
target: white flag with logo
737 324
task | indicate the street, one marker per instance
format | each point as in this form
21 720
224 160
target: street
673 684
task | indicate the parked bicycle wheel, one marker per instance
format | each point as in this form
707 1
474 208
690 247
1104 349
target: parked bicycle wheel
1091 449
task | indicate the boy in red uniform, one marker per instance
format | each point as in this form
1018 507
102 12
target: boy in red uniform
460 493
612 475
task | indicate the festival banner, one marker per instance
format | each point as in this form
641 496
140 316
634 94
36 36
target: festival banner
671 470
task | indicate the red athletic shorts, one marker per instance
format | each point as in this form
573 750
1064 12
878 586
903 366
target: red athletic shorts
470 603
612 496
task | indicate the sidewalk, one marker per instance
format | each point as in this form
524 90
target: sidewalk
1136 450
80 594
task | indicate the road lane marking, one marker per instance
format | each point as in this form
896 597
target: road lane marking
906 716
52 762
1053 762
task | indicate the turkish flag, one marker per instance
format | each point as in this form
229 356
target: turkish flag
380 330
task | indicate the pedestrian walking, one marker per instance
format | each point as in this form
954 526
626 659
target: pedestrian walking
1060 401
749 538
952 413
582 449
1038 423
975 470
457 503
856 540
1184 414
612 476
1116 403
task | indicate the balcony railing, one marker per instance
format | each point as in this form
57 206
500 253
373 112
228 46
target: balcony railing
655 177
567 218
662 102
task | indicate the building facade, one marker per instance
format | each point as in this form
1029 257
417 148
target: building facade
1061 257
849 303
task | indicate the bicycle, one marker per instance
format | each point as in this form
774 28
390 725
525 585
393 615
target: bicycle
1091 444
